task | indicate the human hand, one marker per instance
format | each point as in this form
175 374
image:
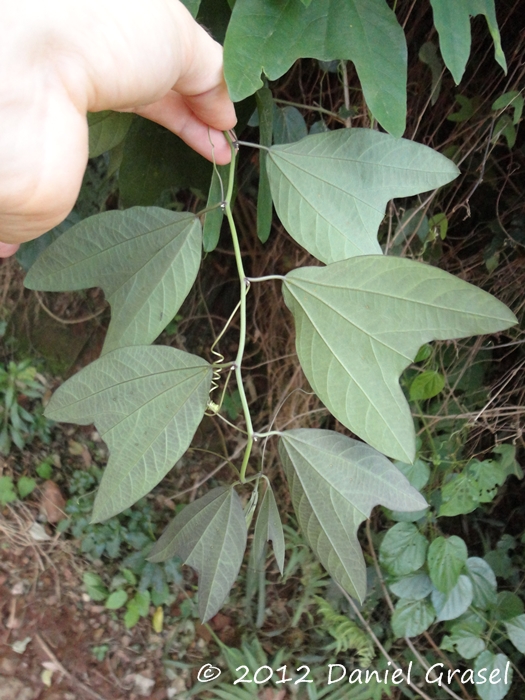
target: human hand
60 59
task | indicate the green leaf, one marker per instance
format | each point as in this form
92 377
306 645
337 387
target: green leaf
95 587
506 455
193 6
145 260
29 251
487 476
504 127
330 190
132 615
213 220
452 605
426 385
288 125
513 99
155 160
467 109
413 223
466 643
478 483
428 54
7 491
142 601
446 558
268 528
403 549
210 536
129 576
411 617
146 403
516 630
44 470
496 672
417 473
415 586
265 110
360 323
335 482
106 130
459 495
452 21
483 580
25 486
269 36
116 600
508 606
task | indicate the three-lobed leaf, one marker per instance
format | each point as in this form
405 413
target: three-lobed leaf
145 259
268 36
452 21
210 536
330 190
146 402
335 482
360 323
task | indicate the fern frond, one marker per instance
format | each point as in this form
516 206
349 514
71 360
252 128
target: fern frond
346 633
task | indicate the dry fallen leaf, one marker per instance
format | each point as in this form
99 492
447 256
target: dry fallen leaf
38 533
52 502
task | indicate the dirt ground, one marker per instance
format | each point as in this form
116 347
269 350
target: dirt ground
49 625
49 629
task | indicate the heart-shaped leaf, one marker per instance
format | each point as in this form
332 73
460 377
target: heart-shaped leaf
264 35
497 670
361 322
335 482
446 559
331 190
145 260
209 535
146 403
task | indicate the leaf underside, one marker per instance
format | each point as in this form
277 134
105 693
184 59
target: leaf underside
331 190
335 482
106 130
452 21
145 259
146 402
360 323
268 528
210 536
269 35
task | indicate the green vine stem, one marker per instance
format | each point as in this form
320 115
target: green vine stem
244 286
